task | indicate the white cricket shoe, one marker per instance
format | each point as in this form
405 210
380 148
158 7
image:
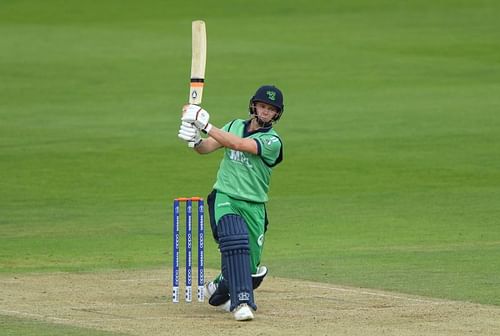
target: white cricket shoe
243 313
225 306
209 289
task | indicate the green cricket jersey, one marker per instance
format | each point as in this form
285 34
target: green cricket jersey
246 176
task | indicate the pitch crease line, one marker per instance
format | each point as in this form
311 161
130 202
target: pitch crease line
135 280
380 294
38 316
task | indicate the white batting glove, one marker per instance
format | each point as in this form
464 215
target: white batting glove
197 116
188 132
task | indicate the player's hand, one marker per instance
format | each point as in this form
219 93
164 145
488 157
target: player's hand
197 116
188 132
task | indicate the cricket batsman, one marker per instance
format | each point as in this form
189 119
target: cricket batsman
237 204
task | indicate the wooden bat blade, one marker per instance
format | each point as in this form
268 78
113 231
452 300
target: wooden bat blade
198 61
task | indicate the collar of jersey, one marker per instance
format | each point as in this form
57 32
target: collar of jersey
261 130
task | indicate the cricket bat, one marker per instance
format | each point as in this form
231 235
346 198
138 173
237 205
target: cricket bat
198 63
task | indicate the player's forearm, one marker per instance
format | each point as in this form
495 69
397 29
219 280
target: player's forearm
207 145
224 138
232 141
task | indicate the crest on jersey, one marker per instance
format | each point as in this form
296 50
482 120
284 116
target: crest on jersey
270 141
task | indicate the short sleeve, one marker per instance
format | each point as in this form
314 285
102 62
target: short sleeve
270 149
227 126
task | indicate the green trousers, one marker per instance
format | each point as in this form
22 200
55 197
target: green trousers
254 214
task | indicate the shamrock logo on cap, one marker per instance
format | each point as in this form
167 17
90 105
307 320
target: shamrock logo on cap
271 95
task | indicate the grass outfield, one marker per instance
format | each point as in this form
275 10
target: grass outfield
391 174
17 326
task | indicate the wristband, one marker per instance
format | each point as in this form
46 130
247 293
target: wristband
207 129
198 143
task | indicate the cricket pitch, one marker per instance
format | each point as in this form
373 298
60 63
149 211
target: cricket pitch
139 303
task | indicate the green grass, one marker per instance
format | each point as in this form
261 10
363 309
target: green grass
17 326
391 176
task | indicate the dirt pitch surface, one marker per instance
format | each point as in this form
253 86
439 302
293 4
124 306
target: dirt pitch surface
139 303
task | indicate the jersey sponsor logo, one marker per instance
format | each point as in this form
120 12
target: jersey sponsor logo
240 157
260 240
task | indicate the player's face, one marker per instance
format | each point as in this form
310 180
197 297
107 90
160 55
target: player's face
265 111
